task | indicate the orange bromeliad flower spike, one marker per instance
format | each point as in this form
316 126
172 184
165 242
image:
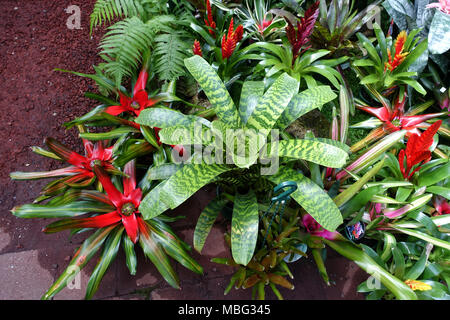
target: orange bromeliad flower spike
399 55
230 39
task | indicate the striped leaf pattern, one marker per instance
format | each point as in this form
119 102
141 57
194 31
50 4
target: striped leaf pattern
152 205
185 182
315 151
304 102
63 211
164 171
130 254
163 118
187 135
153 250
252 91
311 197
173 246
273 103
244 227
215 90
206 221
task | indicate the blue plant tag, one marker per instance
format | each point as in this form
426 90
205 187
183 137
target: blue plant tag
355 232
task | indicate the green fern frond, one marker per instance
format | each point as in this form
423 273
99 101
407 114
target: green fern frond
170 52
123 45
107 10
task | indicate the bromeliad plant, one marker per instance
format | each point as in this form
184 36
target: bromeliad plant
337 25
79 174
295 56
392 118
243 183
110 214
388 64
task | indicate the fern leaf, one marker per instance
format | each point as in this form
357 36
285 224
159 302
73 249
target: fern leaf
170 52
123 45
107 10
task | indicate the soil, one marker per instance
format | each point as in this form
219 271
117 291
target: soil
36 101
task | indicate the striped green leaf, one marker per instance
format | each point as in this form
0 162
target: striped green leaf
67 210
441 191
185 182
153 250
420 235
430 177
113 134
252 91
311 197
90 246
164 171
365 262
244 227
178 188
153 205
312 150
206 221
130 254
304 102
163 118
439 36
173 246
215 90
186 135
346 195
109 253
273 103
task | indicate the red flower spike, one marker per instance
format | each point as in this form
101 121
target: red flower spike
197 49
230 40
300 39
417 151
239 32
210 22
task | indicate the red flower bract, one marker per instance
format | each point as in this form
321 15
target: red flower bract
126 203
397 119
197 49
417 151
210 22
230 40
138 102
82 165
304 29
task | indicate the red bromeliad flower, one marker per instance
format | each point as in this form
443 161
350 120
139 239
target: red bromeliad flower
197 49
81 168
138 102
441 205
126 203
210 22
417 151
395 120
399 55
230 40
316 229
264 24
304 29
